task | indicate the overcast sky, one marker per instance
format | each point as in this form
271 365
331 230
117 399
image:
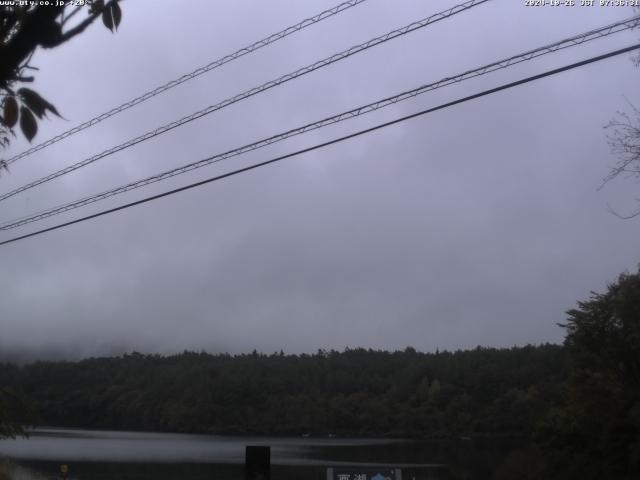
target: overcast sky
477 225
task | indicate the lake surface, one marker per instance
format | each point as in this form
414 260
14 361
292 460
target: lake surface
105 455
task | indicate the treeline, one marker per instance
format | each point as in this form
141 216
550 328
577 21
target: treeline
355 392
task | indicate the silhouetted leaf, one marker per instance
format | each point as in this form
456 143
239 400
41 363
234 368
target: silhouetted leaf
96 6
117 14
28 123
36 103
107 18
10 112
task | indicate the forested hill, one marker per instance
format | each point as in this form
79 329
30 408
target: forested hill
355 392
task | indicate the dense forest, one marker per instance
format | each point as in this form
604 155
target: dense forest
355 392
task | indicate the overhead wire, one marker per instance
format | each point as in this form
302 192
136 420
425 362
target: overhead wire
274 37
331 142
361 110
253 91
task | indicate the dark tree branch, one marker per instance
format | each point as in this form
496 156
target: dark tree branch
70 16
22 30
38 29
69 34
625 143
634 214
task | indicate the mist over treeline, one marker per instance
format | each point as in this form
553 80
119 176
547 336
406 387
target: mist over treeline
29 354
354 392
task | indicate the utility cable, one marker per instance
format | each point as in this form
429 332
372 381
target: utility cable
254 91
501 64
189 76
331 142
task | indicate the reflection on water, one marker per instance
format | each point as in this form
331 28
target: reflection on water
105 446
131 455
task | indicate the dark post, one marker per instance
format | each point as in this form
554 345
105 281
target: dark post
257 463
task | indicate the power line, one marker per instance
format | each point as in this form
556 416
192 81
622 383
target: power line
195 73
331 142
501 64
254 91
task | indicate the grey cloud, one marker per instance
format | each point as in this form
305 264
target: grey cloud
479 224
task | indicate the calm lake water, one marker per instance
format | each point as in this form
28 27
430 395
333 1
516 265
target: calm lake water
105 455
